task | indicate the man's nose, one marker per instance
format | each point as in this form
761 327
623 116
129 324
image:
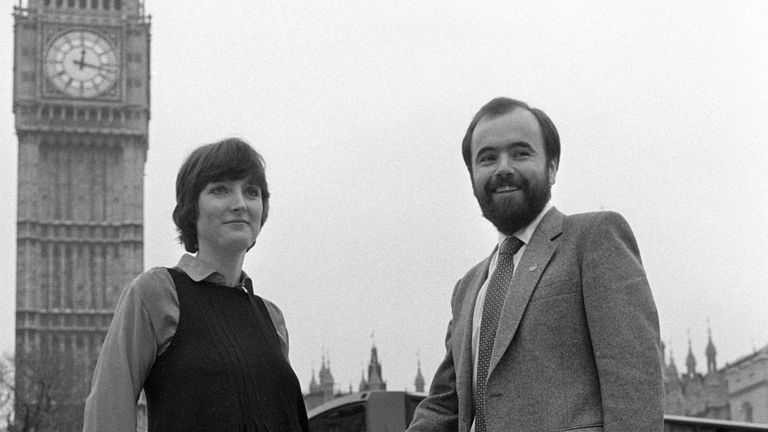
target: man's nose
504 166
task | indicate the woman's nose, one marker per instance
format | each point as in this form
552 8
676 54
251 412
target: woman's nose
238 200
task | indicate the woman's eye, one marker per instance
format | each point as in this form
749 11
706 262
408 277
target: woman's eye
253 192
218 190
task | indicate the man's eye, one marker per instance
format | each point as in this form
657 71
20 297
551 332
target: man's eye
218 190
485 158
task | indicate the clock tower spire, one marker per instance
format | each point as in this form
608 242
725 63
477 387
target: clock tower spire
81 106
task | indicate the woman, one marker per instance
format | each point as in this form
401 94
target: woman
210 355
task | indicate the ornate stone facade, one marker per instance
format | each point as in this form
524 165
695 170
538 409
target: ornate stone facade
325 390
695 394
737 391
747 380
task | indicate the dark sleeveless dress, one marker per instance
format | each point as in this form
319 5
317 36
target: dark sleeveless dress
224 370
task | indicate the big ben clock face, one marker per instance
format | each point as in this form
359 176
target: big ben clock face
81 63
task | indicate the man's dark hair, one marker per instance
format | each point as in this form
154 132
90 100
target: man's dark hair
501 106
226 160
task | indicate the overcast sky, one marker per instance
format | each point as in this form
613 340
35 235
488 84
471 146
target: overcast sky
360 107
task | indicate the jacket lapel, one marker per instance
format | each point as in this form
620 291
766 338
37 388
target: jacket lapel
535 258
463 345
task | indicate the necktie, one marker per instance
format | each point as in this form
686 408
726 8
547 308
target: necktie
494 300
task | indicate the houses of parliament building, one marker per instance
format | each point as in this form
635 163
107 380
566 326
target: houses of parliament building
737 391
325 388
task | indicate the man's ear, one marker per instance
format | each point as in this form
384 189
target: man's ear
552 171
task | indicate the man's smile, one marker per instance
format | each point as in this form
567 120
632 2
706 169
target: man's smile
505 189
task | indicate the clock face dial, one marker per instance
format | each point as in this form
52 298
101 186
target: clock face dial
81 63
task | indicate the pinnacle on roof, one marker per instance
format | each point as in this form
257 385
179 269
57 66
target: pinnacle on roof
690 361
711 352
419 382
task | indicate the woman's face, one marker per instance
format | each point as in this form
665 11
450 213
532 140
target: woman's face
229 216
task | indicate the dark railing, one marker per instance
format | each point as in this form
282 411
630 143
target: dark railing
673 423
392 411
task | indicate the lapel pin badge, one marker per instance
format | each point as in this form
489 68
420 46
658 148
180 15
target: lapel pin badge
532 268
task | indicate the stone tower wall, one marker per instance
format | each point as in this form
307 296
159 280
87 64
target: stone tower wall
80 201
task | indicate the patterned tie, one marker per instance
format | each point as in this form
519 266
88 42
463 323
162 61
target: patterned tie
494 300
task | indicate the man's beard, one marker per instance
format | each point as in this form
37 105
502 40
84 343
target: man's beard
510 216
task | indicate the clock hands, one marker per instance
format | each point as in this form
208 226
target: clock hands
82 63
104 67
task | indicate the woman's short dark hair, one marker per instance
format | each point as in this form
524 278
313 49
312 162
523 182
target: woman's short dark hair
501 106
226 160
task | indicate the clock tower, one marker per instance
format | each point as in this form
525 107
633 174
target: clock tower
81 106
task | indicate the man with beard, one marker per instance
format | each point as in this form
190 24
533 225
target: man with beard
557 329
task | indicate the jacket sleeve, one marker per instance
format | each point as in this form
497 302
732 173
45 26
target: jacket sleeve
439 410
623 325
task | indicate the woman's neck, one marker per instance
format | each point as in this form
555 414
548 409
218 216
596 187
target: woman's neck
228 265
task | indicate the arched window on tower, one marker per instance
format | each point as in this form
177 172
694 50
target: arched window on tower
105 4
118 4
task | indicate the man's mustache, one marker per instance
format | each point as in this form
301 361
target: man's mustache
512 180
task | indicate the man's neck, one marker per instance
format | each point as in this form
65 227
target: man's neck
525 233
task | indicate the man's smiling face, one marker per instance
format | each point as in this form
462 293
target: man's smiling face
511 176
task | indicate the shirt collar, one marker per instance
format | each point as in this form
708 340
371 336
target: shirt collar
525 233
199 270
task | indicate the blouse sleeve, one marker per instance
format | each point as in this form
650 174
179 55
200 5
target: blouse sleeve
145 318
279 322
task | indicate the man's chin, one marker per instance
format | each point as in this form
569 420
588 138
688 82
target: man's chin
508 220
506 226
510 200
510 213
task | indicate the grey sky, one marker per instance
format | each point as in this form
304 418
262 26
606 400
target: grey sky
359 109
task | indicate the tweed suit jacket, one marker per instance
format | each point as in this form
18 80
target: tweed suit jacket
577 347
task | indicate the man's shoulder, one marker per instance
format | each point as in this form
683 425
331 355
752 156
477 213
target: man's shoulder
596 219
594 230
